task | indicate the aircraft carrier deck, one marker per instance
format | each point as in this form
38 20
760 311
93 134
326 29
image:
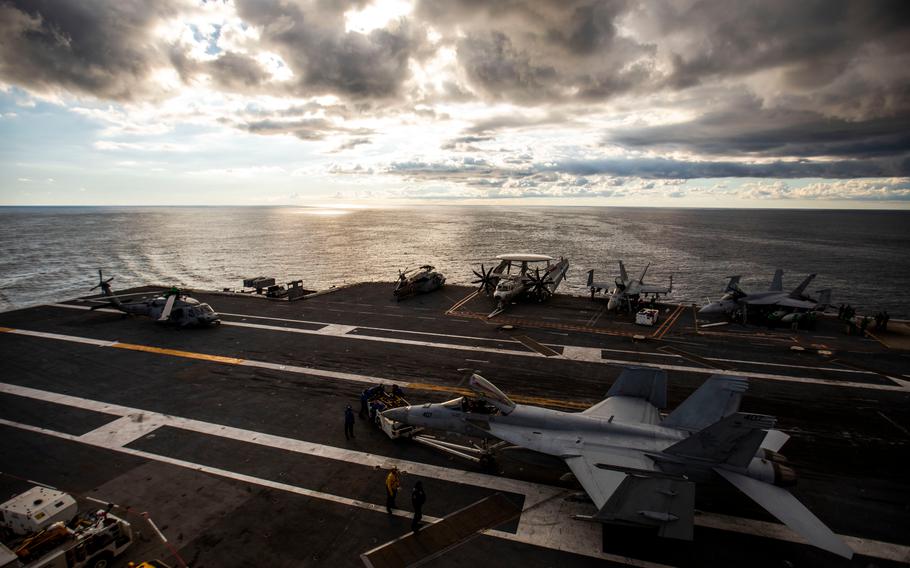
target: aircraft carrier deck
230 439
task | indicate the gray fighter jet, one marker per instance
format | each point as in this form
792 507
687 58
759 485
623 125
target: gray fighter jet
735 299
171 307
637 467
625 289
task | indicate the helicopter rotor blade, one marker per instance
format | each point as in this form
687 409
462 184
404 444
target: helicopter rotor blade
168 306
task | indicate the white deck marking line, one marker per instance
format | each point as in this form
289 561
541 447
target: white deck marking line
328 329
62 337
364 505
539 530
901 387
124 430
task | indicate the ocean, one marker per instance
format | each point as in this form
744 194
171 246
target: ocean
53 253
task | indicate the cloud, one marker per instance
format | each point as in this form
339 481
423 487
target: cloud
324 57
98 48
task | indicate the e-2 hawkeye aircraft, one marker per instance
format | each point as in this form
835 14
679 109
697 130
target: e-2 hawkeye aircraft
625 289
506 282
171 307
735 299
637 467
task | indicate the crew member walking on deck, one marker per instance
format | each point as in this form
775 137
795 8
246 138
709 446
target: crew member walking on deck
418 498
348 423
392 483
364 403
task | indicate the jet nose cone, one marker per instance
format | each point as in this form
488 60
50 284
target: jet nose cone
397 414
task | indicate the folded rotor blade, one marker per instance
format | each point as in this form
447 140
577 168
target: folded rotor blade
168 306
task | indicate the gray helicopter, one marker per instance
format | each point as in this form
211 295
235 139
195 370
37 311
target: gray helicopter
418 281
171 307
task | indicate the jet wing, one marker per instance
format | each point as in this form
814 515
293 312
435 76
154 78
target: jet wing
625 409
618 483
794 303
651 289
636 396
783 505
601 470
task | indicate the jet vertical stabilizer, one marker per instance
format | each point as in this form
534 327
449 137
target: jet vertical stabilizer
798 291
777 283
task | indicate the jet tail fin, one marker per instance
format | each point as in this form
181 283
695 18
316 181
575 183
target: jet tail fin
591 278
798 291
715 399
642 382
783 505
622 272
641 279
777 283
733 440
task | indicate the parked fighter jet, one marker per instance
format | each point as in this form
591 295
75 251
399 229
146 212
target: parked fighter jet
626 289
637 467
735 299
508 282
418 281
172 307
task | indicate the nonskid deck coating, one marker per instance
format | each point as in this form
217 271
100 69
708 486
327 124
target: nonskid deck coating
843 422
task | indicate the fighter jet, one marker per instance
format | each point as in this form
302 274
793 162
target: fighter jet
506 285
171 307
418 281
735 299
626 289
637 467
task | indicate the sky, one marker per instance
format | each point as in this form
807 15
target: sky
771 103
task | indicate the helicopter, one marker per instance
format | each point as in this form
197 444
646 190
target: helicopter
506 286
171 307
418 281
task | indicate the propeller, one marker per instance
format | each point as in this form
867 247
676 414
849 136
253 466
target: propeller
538 285
485 279
102 283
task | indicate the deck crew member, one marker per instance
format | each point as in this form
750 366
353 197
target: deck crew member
348 423
418 498
364 403
392 483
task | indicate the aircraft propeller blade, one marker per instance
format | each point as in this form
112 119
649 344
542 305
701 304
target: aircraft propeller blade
484 279
538 285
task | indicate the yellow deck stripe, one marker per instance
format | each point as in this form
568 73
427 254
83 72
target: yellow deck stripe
178 353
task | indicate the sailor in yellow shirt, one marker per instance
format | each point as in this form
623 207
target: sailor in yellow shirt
392 483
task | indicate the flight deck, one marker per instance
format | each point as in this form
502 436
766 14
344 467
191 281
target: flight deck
231 440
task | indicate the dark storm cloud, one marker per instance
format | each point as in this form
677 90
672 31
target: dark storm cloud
92 47
813 40
774 133
302 128
312 40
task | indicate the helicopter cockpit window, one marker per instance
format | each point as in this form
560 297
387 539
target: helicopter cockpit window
206 309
